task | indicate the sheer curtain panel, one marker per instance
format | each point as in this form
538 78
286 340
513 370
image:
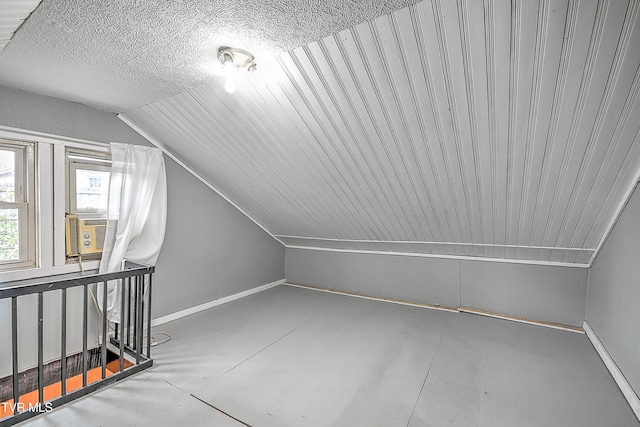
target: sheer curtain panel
136 214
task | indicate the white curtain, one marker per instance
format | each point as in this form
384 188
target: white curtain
136 214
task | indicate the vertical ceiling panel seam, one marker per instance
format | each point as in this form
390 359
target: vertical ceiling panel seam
153 116
136 120
490 58
308 194
205 132
325 134
444 57
477 225
354 138
206 148
534 104
265 157
514 71
215 150
630 101
318 177
556 108
497 53
351 158
343 164
366 171
375 84
445 234
411 138
623 44
289 110
348 215
578 110
379 133
433 102
365 131
317 167
621 176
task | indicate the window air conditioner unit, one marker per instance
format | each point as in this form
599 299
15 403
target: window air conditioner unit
84 236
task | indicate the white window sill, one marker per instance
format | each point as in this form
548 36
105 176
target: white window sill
30 273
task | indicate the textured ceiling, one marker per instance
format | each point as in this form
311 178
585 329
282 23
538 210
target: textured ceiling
486 129
121 54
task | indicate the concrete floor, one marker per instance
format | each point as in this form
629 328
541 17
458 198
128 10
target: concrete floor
298 357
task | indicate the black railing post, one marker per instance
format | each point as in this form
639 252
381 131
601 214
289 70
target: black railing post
135 312
84 335
104 330
149 319
123 287
40 349
128 316
139 317
63 342
14 349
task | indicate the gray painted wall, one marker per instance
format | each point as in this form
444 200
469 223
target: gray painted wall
39 113
210 251
613 303
414 279
537 292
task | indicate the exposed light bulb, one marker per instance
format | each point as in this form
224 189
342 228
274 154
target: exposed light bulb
234 61
230 85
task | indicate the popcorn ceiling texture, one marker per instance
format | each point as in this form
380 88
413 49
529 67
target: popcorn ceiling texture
121 54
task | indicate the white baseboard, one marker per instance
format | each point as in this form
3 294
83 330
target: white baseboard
192 310
622 382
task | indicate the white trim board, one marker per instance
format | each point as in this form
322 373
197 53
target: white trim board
459 257
521 320
198 308
35 136
448 309
421 242
392 301
616 373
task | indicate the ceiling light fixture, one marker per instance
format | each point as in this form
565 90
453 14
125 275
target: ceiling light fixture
233 61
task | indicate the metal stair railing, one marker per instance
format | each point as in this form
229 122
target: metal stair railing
129 343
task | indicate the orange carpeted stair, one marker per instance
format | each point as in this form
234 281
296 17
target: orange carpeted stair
55 390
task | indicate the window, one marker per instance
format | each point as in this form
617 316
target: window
17 218
87 199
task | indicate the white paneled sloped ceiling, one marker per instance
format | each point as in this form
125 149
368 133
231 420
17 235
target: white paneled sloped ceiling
499 129
493 129
12 14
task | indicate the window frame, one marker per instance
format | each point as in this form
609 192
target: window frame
50 205
95 163
25 202
84 160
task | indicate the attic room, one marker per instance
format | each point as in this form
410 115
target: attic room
302 213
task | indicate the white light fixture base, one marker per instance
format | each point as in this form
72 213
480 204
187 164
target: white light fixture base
235 60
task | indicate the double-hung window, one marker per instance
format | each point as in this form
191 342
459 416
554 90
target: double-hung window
17 204
87 198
